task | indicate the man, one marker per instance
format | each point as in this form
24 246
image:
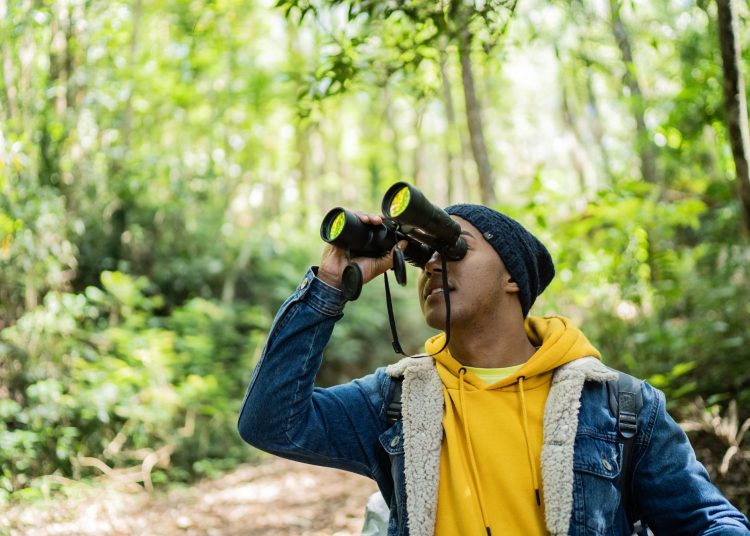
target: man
508 430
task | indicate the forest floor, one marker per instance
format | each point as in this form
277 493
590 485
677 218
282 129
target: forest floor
273 498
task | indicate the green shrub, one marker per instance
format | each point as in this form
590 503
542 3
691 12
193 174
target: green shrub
101 375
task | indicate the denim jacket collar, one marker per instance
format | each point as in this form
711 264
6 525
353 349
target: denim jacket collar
422 403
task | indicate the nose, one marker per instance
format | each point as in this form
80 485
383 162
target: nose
434 264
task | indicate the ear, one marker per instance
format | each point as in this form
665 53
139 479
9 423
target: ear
510 285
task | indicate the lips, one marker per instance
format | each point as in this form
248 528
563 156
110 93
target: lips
435 288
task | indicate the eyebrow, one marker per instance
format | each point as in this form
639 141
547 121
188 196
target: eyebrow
467 233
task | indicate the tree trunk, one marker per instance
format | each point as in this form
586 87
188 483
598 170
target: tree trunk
302 129
304 183
577 153
474 118
419 149
454 163
124 202
229 287
595 121
8 78
128 113
392 132
54 111
735 100
646 148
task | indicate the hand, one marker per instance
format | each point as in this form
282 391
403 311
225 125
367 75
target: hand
333 260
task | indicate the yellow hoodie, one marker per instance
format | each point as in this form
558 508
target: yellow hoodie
492 441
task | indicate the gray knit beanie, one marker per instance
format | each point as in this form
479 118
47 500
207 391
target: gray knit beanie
525 257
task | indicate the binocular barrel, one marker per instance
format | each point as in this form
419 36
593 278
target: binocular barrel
345 230
406 205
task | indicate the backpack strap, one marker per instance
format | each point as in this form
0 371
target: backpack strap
625 402
393 401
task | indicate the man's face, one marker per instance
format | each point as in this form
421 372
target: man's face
479 284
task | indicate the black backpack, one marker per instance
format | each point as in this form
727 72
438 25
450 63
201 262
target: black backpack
625 402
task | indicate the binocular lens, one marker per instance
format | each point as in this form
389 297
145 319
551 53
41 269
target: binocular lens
336 226
399 202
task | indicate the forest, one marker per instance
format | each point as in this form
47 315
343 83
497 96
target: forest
165 167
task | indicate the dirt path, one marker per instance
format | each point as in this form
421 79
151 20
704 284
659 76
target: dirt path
276 498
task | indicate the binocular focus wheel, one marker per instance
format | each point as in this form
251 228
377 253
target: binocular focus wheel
351 282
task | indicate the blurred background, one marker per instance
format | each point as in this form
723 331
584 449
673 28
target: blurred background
165 165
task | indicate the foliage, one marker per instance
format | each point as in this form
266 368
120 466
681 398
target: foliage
663 303
164 167
369 42
100 374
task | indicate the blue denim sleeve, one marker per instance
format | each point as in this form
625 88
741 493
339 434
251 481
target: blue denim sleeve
672 488
284 414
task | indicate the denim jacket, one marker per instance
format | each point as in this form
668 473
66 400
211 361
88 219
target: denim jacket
346 427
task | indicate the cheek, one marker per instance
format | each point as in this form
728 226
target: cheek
482 282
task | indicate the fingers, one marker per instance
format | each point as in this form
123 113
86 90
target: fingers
373 219
334 259
332 263
373 267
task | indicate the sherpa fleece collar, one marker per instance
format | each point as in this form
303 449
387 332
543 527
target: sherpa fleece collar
422 416
422 410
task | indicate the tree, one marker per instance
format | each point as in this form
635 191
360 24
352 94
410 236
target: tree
735 101
425 29
646 149
474 120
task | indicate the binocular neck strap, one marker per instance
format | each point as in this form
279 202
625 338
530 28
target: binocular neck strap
392 321
447 296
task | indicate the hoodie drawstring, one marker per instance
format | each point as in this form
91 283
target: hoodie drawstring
472 461
532 466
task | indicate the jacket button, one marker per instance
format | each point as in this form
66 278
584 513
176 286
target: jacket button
395 441
304 284
606 464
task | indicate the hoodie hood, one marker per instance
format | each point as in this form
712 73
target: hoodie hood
558 342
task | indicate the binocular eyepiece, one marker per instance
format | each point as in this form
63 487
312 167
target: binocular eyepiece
408 216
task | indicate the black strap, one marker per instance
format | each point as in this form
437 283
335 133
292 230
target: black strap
625 402
391 319
447 296
393 409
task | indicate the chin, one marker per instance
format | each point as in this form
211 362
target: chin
440 326
435 319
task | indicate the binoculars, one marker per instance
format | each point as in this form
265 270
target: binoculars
408 216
